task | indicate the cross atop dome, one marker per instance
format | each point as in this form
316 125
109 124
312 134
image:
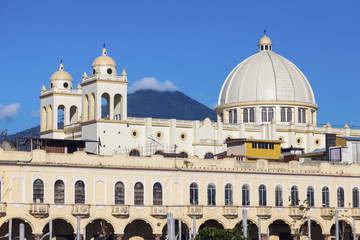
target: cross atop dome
265 43
104 51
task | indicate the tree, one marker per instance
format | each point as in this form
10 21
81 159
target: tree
211 233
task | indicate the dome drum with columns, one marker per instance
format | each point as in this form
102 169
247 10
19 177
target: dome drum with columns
266 87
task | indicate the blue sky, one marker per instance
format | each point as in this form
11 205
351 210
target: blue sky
192 45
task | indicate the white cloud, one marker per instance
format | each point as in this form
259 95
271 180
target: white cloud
9 111
35 114
153 84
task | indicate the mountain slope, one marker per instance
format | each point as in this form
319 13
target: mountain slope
155 104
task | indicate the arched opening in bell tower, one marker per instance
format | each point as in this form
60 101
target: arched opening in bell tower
105 106
117 107
61 117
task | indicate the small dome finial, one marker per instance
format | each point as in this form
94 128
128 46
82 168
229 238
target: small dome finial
61 66
264 32
104 51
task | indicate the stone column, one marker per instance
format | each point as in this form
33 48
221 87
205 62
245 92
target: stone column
119 236
157 236
37 236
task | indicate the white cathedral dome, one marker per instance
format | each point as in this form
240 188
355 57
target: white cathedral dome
266 76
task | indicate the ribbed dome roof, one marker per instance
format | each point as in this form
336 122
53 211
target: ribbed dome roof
61 75
104 60
266 76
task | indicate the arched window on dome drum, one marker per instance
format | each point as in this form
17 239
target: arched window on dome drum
245 115
194 194
294 197
262 195
283 115
228 194
119 193
270 114
38 191
301 115
157 194
325 197
252 115
134 153
278 196
310 196
340 197
245 195
264 114
138 194
289 115
230 116
59 192
355 197
235 115
79 192
221 117
211 194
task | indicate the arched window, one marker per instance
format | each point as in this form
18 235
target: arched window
355 197
209 155
138 194
245 115
340 197
73 114
252 115
79 192
105 106
283 115
211 194
59 192
221 117
278 196
310 196
264 114
262 195
61 117
119 193
228 194
235 115
325 197
117 107
289 115
245 195
134 153
230 116
194 194
294 197
38 191
157 194
183 155
270 114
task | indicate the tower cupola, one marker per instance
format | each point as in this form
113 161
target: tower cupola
104 65
61 79
265 43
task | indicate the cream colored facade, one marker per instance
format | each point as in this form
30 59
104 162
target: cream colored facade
264 97
20 170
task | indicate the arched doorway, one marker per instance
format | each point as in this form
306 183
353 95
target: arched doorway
62 230
281 229
184 231
138 230
253 231
99 230
316 233
345 230
4 229
211 223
